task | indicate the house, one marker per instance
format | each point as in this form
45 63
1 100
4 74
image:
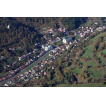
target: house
51 30
44 73
60 30
8 27
54 50
52 40
50 54
5 84
63 48
91 30
44 37
58 39
64 30
67 46
96 23
67 39
19 58
2 57
71 43
53 68
8 65
41 70
104 27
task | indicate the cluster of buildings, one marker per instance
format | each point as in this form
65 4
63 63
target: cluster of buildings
23 77
24 56
12 64
12 73
13 48
87 30
83 31
51 30
20 58
62 30
100 28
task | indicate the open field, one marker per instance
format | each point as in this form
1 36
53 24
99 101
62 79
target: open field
95 38
76 70
88 51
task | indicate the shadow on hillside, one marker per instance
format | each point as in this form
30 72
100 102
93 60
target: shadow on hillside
21 24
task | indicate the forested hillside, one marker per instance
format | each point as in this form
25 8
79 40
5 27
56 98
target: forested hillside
38 22
74 22
18 35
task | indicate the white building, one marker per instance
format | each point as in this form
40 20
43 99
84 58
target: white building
67 46
2 57
8 27
47 47
91 30
54 50
64 30
67 39
70 43
96 23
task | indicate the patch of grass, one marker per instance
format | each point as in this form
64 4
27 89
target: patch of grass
47 57
77 37
95 38
91 63
95 73
103 51
86 24
76 70
103 60
88 51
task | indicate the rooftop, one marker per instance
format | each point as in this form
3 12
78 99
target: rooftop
68 37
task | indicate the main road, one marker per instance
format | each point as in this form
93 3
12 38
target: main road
42 57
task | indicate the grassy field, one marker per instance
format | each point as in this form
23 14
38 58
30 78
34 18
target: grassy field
88 51
96 73
95 38
76 70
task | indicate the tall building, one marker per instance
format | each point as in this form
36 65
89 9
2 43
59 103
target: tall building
47 47
67 39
